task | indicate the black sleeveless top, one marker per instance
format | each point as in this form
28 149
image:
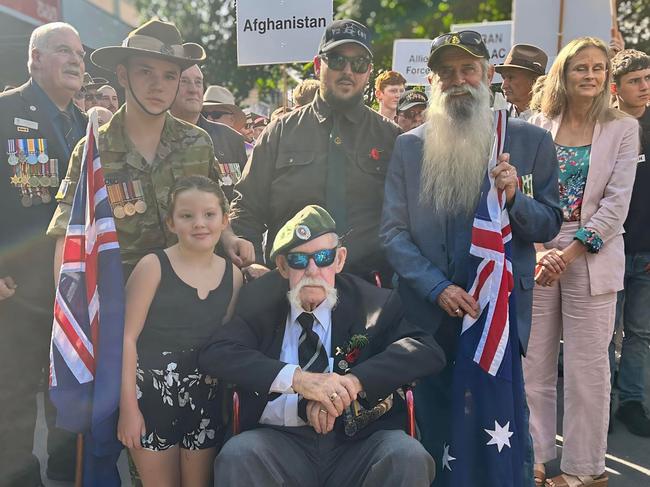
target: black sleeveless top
178 319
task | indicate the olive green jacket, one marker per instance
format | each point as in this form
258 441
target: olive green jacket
287 171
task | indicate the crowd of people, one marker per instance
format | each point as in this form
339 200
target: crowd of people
317 261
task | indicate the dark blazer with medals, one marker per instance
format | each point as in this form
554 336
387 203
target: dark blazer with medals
230 151
27 189
246 350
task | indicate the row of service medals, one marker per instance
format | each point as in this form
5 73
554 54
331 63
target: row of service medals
230 173
33 170
126 198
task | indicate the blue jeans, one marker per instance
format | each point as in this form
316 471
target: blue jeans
633 307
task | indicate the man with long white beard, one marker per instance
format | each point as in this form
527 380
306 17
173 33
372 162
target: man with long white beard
317 356
432 189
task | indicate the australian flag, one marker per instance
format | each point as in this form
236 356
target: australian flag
86 347
489 440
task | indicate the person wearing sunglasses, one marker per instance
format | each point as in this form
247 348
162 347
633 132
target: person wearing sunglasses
410 111
317 355
432 190
333 152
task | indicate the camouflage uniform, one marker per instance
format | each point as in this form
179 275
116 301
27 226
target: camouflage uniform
184 149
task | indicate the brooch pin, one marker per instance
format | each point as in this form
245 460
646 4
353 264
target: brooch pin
351 351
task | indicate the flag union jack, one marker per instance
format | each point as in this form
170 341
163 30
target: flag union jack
86 347
489 442
493 284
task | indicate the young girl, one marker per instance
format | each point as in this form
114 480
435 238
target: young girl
169 415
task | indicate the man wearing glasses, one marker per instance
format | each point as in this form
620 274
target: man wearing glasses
317 356
334 152
39 127
410 111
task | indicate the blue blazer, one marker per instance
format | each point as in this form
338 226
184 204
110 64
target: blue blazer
429 250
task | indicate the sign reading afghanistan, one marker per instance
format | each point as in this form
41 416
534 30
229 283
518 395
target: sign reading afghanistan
280 31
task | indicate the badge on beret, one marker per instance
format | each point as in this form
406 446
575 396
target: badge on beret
303 232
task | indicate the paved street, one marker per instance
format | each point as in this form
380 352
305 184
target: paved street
628 459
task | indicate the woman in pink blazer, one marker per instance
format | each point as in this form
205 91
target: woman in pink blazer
580 271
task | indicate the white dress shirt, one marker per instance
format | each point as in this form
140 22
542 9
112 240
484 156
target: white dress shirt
283 411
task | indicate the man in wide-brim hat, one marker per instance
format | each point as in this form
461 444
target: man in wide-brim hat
219 106
521 68
144 150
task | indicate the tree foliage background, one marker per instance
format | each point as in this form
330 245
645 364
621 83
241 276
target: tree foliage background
212 24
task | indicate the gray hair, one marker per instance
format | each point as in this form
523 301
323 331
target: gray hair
40 38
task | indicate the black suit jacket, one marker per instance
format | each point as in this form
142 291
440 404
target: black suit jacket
25 252
228 145
246 350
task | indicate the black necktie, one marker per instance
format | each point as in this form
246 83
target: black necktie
312 356
67 125
335 189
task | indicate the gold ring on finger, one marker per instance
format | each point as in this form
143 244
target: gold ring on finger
333 396
323 411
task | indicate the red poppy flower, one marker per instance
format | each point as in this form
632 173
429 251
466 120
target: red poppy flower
375 154
352 356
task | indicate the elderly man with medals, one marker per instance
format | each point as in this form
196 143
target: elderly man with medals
432 190
318 356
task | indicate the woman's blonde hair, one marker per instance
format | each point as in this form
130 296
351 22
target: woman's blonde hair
554 99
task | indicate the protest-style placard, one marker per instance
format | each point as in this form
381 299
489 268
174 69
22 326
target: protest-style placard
538 23
410 57
280 31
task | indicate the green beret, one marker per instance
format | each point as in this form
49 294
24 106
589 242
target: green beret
309 223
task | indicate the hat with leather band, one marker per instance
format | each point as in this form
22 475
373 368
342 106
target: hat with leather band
90 83
525 56
468 40
220 99
154 38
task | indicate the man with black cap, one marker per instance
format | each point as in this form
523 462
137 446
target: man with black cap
333 152
410 111
432 189
39 127
228 143
521 68
317 356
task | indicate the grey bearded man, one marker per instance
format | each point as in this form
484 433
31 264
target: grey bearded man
432 189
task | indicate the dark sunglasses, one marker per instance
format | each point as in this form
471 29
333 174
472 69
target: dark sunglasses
411 114
322 258
465 37
337 62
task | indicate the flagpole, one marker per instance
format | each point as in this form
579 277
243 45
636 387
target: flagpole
614 13
79 463
560 29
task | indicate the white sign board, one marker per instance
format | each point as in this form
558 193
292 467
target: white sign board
537 22
410 57
280 31
497 37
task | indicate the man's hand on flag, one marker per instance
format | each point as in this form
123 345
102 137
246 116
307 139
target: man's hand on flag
505 177
456 302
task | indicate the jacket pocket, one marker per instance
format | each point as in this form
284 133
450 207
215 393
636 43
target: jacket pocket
294 158
373 161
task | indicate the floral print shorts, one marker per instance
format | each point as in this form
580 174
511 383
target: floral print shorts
179 404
